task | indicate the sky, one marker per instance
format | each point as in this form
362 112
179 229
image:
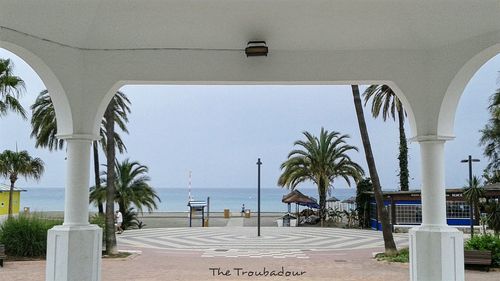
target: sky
218 132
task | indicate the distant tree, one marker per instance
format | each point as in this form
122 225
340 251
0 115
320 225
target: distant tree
490 135
382 212
15 164
44 123
44 128
491 177
116 114
473 192
11 88
132 188
493 216
363 202
130 219
385 101
320 160
111 247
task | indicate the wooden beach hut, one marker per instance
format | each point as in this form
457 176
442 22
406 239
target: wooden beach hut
299 199
4 200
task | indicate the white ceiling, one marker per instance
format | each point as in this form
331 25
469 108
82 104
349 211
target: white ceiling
229 24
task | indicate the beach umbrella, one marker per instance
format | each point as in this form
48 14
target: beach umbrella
350 200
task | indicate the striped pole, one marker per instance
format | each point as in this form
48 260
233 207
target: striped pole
258 196
189 188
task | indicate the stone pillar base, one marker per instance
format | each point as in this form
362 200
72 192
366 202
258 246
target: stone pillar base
436 254
74 253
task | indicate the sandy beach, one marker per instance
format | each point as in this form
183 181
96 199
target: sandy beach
181 219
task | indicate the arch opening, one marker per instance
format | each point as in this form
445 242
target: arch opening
455 90
118 85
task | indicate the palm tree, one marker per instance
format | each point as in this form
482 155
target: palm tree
116 113
111 248
44 128
131 187
490 138
130 219
15 164
44 123
363 201
493 217
382 212
491 177
385 100
11 88
473 192
320 160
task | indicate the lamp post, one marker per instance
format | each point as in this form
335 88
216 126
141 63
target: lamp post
471 206
258 196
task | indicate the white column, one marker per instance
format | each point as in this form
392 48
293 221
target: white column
433 183
74 248
76 204
436 250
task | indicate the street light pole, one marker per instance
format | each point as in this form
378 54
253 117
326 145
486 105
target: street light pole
258 196
471 205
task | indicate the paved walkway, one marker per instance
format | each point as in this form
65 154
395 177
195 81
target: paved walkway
193 254
235 222
276 242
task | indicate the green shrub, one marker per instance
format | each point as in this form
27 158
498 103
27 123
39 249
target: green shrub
403 255
98 219
26 236
363 202
130 219
486 242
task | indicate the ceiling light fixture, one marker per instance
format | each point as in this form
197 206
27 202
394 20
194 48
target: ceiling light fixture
256 49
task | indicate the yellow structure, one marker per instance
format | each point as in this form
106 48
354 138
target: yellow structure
4 200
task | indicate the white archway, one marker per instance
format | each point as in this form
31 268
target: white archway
456 88
56 91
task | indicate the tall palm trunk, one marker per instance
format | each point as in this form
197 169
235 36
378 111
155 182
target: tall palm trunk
96 175
403 152
366 215
13 179
122 207
322 201
477 216
390 246
111 248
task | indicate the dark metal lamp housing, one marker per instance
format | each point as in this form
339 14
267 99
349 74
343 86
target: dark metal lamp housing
256 49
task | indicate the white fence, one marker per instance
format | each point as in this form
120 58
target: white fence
341 206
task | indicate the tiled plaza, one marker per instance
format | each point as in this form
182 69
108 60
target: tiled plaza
277 242
196 253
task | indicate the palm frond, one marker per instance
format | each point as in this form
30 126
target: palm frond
132 187
11 89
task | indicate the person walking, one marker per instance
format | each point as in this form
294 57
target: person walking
119 221
242 209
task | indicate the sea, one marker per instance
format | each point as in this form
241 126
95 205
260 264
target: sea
175 199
